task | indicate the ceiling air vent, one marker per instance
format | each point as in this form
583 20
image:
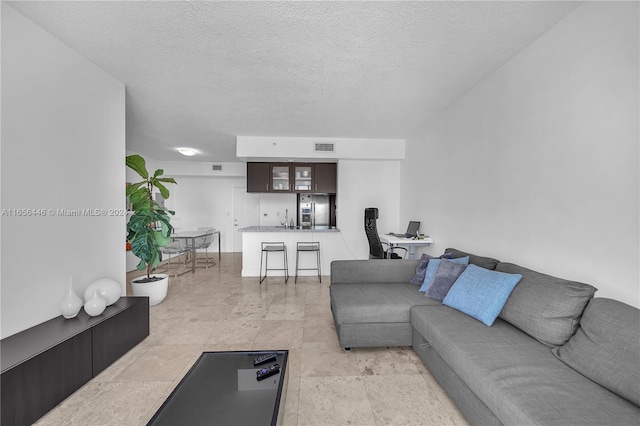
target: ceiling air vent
323 147
217 167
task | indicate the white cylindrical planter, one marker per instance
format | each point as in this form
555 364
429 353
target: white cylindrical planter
155 290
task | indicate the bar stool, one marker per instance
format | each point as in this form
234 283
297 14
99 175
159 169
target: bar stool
270 247
308 247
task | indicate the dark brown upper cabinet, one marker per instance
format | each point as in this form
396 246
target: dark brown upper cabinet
258 177
325 178
292 177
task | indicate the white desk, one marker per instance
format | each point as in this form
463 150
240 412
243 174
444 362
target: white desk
410 243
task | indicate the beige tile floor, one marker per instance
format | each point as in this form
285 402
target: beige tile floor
216 309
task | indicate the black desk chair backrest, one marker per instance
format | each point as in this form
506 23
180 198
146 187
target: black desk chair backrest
376 248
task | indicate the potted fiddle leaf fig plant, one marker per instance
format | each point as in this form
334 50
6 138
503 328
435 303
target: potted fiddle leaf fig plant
148 229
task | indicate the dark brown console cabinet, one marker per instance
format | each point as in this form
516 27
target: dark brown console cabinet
43 365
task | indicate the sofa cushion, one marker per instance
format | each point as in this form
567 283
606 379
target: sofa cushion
432 269
448 272
545 307
418 278
481 293
375 302
606 347
483 262
518 378
372 271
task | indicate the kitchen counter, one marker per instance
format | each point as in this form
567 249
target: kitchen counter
332 247
294 229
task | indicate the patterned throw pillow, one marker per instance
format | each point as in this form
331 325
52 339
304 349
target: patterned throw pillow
447 274
418 278
432 268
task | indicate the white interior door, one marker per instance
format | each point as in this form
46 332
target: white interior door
246 212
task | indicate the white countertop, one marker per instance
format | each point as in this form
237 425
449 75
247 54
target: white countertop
294 229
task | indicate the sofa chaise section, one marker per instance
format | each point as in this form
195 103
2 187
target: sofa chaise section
371 302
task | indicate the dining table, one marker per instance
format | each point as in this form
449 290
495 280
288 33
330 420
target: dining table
190 239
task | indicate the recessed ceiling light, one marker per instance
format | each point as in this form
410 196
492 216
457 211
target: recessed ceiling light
189 152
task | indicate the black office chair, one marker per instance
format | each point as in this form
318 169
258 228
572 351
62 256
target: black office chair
377 248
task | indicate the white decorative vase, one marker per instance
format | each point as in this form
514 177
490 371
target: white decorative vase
95 305
155 290
71 304
109 289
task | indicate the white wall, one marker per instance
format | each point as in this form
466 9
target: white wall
63 143
274 208
363 184
204 202
538 164
260 148
200 168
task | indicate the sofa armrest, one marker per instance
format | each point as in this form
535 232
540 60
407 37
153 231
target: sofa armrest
373 271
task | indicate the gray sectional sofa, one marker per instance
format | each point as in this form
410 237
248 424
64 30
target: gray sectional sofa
554 356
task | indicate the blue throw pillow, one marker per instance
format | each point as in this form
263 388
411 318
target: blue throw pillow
481 293
418 278
447 274
432 268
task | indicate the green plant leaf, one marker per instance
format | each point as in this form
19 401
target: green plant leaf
137 163
163 189
142 265
167 180
140 199
134 187
143 246
161 240
158 172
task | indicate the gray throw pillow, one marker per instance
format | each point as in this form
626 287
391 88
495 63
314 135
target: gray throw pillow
421 269
447 274
606 347
545 307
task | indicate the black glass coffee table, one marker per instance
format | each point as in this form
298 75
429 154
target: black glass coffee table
221 389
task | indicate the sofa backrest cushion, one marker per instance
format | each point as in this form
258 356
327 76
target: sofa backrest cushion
483 262
545 307
606 347
372 271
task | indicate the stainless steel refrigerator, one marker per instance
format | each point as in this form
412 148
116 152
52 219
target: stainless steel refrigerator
313 210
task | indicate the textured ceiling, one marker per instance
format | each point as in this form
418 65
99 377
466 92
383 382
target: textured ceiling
200 73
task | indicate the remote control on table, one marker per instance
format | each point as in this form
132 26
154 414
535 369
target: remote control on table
264 358
265 372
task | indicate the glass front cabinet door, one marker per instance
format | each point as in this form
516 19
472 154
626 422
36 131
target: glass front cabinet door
303 178
280 178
